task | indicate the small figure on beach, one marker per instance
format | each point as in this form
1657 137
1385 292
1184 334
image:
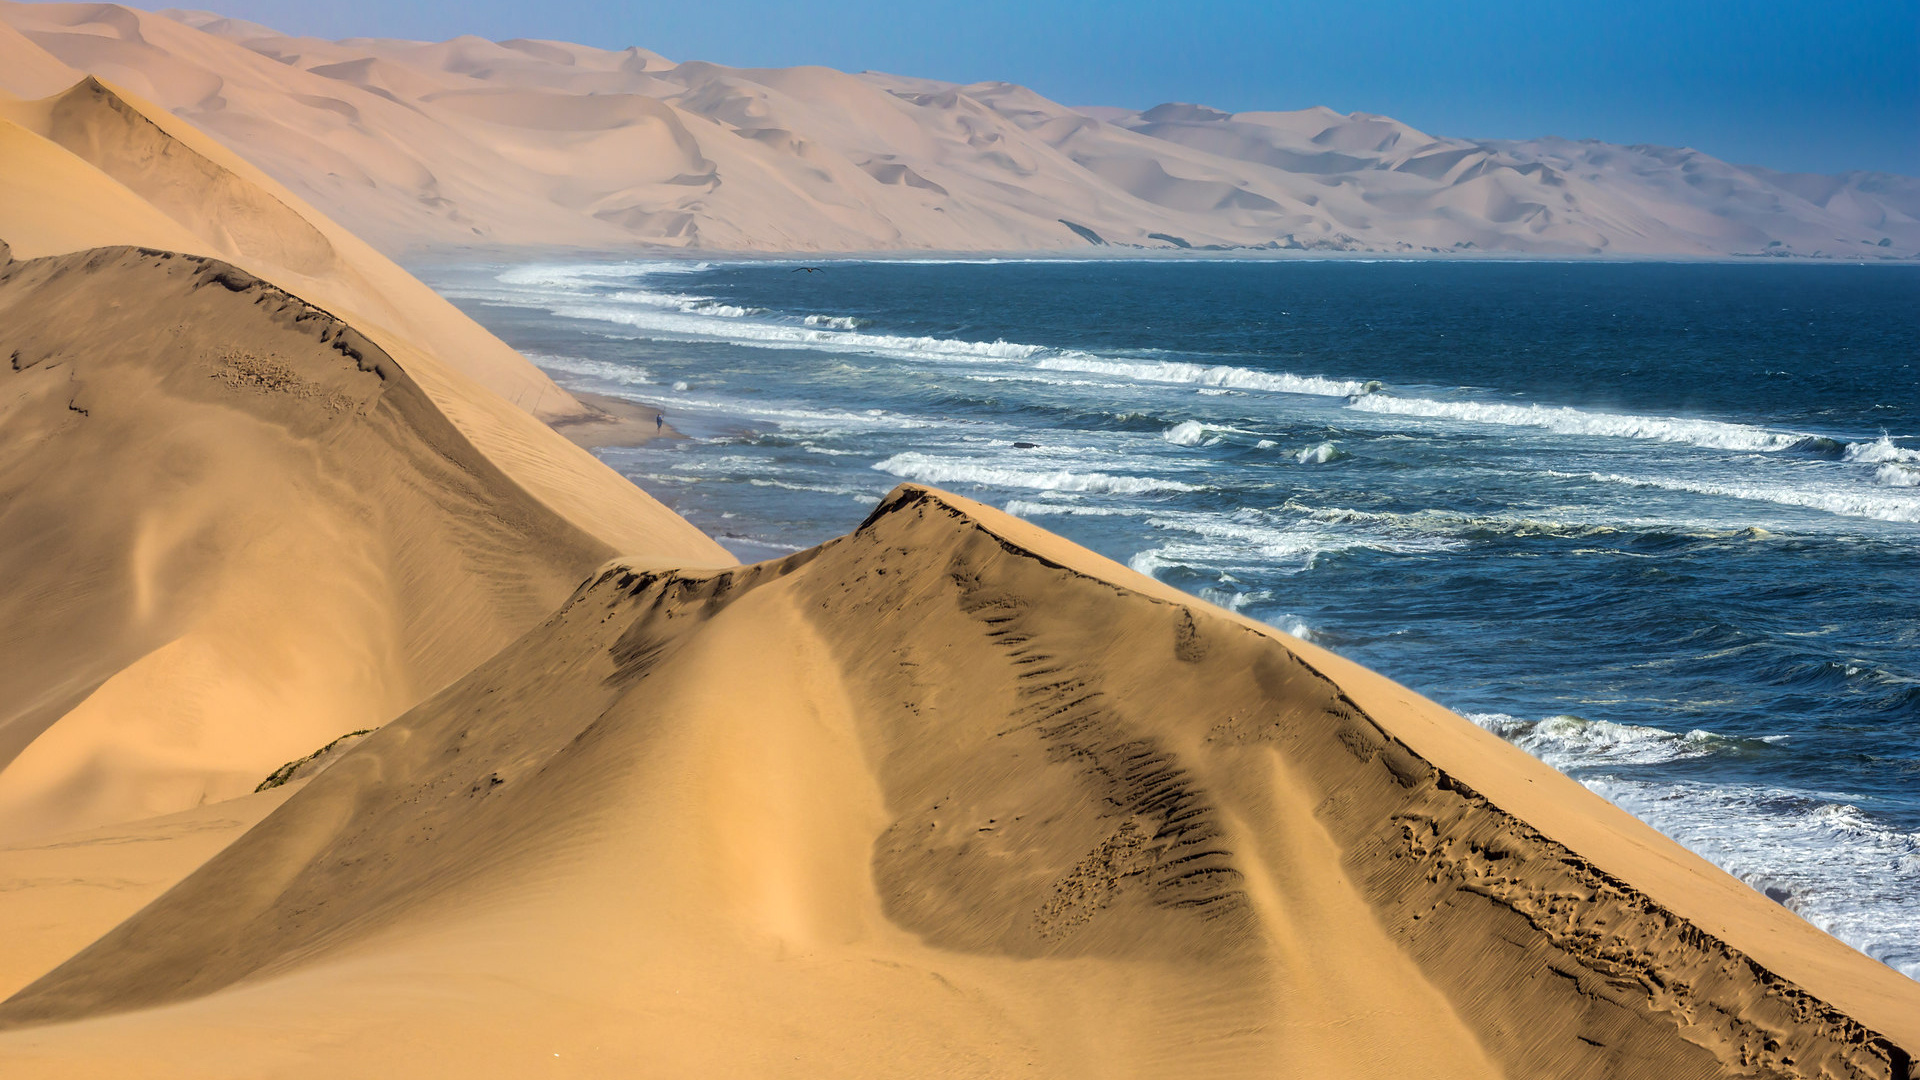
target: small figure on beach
659 421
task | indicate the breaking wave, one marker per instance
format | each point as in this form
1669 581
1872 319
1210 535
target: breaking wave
1832 500
1563 420
1218 376
1881 451
1319 454
935 470
1815 853
836 322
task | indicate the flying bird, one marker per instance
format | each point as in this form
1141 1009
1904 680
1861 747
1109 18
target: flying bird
808 269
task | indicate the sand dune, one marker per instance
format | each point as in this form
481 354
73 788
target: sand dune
60 892
1046 817
471 142
947 796
179 439
235 528
226 545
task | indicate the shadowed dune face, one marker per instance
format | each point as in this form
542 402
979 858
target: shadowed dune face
1153 838
235 528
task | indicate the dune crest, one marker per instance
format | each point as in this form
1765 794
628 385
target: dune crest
984 798
250 526
239 528
477 143
160 661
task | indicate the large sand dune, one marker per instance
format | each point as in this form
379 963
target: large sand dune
231 523
471 142
233 528
950 796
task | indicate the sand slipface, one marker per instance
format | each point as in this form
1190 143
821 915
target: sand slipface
237 523
244 527
951 795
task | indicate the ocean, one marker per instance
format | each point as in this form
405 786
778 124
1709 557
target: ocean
1657 524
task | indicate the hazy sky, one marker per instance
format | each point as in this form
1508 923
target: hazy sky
1790 84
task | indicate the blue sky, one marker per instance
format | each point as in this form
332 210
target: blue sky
1787 84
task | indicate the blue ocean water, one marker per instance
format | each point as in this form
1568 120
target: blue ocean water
1657 524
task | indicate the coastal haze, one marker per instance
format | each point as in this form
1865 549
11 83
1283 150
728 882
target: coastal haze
477 143
356 719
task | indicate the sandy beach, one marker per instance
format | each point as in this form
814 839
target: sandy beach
948 795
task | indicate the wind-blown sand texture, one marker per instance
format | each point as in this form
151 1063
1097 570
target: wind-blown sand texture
231 523
948 796
234 529
471 142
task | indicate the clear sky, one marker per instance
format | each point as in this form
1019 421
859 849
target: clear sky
1800 85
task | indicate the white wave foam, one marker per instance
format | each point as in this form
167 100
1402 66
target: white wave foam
550 275
691 305
787 416
1568 421
1216 377
1297 629
1249 543
1832 500
787 336
1023 508
1894 474
836 322
1228 596
1816 853
1881 450
1188 433
705 317
822 489
1572 742
1319 454
933 470
616 371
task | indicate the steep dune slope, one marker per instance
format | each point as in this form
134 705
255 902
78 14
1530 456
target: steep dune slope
950 796
467 142
234 527
136 168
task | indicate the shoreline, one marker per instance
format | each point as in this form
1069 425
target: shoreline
612 422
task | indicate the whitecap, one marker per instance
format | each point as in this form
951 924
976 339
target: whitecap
788 336
836 322
1563 420
1568 742
934 470
1023 508
1218 376
1319 454
1833 500
1881 450
551 275
1816 853
1187 433
1895 474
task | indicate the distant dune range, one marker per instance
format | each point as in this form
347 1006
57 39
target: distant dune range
470 142
948 796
